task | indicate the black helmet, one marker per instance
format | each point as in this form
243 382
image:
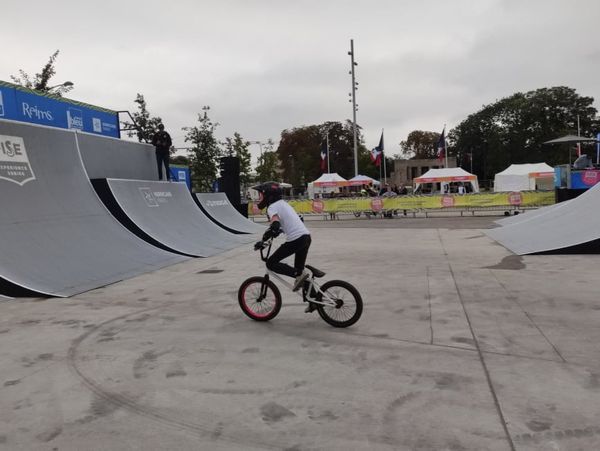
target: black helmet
270 192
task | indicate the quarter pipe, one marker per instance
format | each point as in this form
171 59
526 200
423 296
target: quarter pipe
165 215
218 208
571 227
56 237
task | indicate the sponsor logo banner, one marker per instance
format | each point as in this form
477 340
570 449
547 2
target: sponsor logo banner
14 162
29 106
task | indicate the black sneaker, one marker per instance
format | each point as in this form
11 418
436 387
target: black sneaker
311 307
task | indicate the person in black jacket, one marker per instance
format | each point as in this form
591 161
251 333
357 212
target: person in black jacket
162 142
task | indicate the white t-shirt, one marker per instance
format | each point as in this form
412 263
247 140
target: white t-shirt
291 224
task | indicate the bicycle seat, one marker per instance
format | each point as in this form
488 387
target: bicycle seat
315 272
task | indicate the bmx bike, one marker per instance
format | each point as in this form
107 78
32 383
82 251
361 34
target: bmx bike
337 301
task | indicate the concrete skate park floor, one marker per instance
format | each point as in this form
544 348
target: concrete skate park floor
462 346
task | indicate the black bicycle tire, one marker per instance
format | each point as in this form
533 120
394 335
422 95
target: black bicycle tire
242 301
357 297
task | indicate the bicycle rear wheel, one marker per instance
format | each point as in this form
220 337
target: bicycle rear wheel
349 304
259 298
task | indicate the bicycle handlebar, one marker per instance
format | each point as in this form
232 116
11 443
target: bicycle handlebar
261 246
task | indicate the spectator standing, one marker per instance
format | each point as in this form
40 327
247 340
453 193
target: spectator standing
162 143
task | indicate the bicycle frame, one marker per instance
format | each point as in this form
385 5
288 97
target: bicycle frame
306 292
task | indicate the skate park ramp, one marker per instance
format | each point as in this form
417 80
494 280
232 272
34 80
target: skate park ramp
571 227
165 215
56 237
528 214
105 157
218 208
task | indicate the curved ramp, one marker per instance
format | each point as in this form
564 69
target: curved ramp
218 208
165 215
56 237
105 158
571 227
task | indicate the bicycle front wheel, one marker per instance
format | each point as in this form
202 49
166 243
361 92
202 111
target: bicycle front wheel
259 298
349 304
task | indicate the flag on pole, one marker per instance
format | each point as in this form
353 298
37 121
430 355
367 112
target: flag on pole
323 156
377 152
441 145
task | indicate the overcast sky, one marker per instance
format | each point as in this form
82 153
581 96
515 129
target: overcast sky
268 65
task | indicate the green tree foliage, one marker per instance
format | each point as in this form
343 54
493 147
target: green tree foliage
513 130
181 160
144 125
42 79
205 152
300 152
238 147
419 145
267 168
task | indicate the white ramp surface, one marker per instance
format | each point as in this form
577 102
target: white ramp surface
105 158
568 227
166 213
218 207
56 237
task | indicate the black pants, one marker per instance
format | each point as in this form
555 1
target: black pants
299 247
162 157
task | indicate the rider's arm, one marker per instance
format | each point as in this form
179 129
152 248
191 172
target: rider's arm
274 228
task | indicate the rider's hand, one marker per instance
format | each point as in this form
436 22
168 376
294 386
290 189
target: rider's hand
258 245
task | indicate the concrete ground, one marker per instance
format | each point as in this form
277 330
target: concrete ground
461 346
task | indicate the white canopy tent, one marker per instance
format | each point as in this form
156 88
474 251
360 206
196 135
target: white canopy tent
330 182
447 178
525 177
360 180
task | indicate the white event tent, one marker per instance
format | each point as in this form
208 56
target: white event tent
446 177
525 177
360 180
330 182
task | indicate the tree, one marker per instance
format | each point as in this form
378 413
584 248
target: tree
419 145
267 167
513 130
42 79
143 126
237 147
300 152
204 153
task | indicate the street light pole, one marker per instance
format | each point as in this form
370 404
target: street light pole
66 84
353 94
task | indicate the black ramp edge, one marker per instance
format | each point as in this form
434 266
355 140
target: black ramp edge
591 247
106 195
10 289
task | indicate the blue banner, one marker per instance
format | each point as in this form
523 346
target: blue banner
26 105
181 174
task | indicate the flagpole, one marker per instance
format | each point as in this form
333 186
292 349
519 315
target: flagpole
383 155
578 134
328 170
445 148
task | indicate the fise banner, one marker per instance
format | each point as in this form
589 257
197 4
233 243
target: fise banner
25 105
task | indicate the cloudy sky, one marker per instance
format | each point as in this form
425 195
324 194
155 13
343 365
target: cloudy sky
268 65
